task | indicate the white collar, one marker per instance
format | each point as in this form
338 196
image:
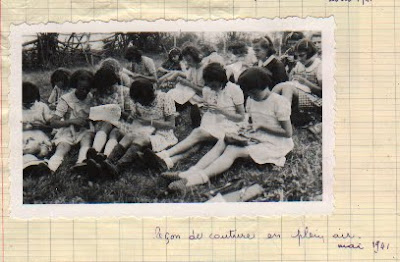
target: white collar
269 60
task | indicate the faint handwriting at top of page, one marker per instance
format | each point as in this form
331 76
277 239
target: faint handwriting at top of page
363 2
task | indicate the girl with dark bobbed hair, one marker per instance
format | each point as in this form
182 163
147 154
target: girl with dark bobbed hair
107 91
173 63
240 60
305 86
60 82
189 84
169 67
267 140
36 118
265 53
71 119
142 66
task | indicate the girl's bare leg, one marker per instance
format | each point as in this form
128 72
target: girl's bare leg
177 158
196 136
207 159
220 165
225 161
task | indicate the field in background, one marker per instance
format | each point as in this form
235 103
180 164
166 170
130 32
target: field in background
299 180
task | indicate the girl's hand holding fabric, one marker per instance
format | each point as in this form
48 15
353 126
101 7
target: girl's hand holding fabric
213 108
236 139
299 79
144 121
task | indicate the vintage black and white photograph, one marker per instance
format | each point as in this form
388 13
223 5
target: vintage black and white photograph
172 116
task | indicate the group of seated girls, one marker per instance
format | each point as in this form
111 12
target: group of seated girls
243 105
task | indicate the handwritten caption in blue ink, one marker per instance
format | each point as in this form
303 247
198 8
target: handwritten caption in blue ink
343 240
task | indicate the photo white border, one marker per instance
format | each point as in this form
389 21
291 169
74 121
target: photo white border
324 207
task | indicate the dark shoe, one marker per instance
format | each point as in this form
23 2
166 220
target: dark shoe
40 169
154 161
94 169
100 157
80 167
110 168
195 116
130 156
91 153
116 154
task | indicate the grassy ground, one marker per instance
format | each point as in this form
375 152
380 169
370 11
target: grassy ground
299 180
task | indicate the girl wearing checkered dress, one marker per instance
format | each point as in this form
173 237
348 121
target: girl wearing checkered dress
305 87
153 122
169 67
108 91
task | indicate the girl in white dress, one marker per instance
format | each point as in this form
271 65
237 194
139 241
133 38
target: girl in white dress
267 140
191 81
123 73
60 82
224 111
71 119
240 60
142 66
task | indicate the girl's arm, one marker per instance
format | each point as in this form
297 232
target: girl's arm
128 72
284 130
167 123
188 83
315 89
236 116
56 122
175 74
167 76
162 70
152 78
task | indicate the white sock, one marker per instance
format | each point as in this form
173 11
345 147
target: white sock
110 146
188 172
99 141
196 179
55 162
169 162
82 154
163 154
